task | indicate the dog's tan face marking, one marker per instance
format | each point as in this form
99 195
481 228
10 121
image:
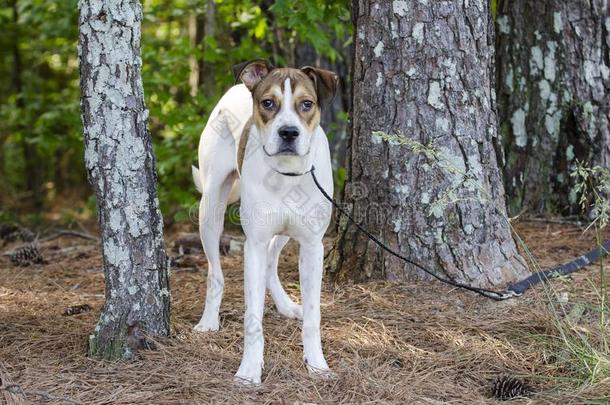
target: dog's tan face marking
269 98
287 104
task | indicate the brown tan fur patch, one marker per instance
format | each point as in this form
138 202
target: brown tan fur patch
272 87
241 147
302 89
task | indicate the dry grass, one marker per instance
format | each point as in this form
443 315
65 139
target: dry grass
420 342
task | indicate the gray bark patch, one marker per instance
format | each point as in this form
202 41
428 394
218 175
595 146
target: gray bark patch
553 96
121 169
437 89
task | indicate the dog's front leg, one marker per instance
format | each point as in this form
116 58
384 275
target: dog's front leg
311 258
251 366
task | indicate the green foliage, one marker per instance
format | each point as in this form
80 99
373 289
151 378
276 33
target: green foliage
43 111
316 22
578 341
244 30
39 103
593 187
463 184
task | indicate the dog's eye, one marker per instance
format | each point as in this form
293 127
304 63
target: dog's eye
268 104
306 105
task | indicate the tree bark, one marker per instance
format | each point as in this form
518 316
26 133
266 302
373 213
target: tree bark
195 28
121 168
553 96
32 174
425 70
209 31
202 71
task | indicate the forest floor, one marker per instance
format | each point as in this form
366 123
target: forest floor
419 342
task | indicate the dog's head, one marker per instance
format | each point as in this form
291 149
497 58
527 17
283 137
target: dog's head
287 105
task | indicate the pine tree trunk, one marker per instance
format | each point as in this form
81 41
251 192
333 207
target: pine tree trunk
553 59
121 167
32 172
201 71
195 29
425 70
207 67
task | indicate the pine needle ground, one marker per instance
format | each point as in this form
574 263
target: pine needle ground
412 342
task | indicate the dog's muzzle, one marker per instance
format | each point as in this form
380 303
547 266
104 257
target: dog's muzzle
288 134
283 150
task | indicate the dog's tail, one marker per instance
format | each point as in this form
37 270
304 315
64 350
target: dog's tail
197 179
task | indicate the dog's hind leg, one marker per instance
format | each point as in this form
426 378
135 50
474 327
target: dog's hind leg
211 221
283 302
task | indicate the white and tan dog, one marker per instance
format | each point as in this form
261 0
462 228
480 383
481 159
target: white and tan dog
259 144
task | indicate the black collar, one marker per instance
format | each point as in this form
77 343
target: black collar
289 174
293 174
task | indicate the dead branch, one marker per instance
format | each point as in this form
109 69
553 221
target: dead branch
67 232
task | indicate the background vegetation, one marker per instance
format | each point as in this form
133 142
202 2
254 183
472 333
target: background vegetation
41 151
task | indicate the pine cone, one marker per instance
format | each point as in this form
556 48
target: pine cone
26 255
77 309
506 387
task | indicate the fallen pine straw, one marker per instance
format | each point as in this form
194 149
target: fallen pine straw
416 342
9 391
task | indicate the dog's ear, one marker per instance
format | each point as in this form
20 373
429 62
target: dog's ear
252 72
325 81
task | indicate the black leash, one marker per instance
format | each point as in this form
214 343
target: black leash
513 290
494 295
567 268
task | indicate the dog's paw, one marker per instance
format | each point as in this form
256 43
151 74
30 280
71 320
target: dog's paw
207 327
318 368
291 311
246 381
322 373
249 374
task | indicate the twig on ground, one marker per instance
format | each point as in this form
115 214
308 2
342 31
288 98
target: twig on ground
42 395
560 221
67 232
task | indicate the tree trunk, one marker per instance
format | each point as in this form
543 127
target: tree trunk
553 97
202 71
425 70
121 167
32 174
209 31
195 28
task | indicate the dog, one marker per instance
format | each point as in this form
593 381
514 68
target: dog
259 146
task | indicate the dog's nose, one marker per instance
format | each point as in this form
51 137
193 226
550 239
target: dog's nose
288 133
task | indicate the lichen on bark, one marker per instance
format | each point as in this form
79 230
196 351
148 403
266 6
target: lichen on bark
437 88
554 86
121 169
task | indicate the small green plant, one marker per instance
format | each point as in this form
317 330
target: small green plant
593 186
581 348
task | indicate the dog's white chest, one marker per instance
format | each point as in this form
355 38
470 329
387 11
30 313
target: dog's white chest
290 206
